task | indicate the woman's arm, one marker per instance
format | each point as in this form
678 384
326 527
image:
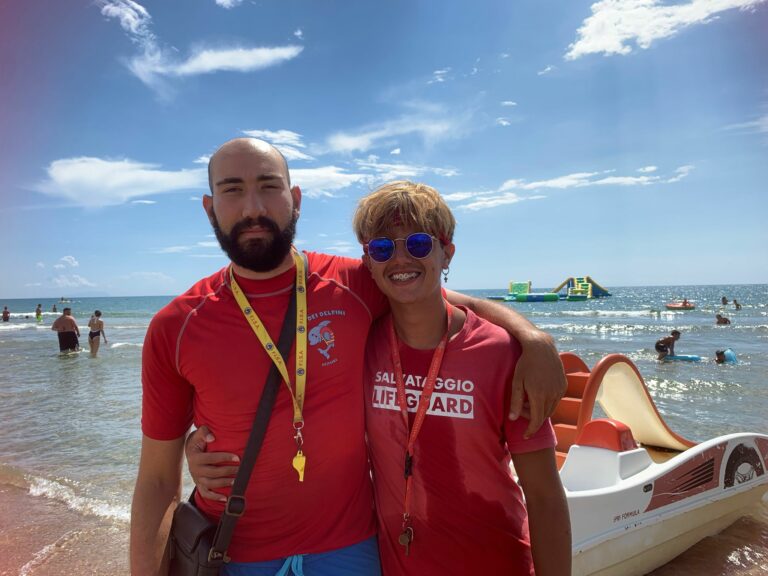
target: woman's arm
548 518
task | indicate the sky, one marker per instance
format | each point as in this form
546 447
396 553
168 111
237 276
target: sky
622 139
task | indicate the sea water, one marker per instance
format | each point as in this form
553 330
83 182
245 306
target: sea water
70 424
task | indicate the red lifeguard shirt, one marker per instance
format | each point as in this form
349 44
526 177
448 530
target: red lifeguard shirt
468 512
202 363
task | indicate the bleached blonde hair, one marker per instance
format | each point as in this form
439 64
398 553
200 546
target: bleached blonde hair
403 203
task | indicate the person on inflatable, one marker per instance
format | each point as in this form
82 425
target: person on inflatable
726 356
666 346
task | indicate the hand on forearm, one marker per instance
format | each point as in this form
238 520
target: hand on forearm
539 373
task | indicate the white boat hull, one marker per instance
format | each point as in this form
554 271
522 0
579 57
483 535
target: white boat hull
634 508
652 545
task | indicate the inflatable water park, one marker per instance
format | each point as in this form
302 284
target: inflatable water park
573 289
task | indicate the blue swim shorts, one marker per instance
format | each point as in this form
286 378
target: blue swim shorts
360 559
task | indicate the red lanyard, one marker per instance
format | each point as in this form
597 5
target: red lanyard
421 413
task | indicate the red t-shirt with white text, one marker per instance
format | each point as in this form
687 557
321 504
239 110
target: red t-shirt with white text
468 512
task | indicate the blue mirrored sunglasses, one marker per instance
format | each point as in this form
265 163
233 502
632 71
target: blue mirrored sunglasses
418 244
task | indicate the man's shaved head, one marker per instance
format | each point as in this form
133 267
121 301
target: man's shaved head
241 144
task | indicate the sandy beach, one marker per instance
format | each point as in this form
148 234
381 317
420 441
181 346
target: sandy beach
43 537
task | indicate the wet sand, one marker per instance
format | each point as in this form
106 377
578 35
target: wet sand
739 550
42 537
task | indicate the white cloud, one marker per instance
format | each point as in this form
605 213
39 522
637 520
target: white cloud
517 190
173 250
33 284
71 281
182 249
39 265
324 181
759 125
430 129
342 247
229 3
204 159
385 171
439 76
149 202
70 261
493 201
133 17
504 55
459 196
96 182
646 169
546 70
625 181
681 173
503 122
616 24
508 103
395 152
575 180
299 33
155 64
287 141
59 266
231 59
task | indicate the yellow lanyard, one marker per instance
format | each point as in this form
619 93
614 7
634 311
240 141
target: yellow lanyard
299 461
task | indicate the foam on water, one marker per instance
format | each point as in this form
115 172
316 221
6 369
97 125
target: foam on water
66 494
14 327
126 345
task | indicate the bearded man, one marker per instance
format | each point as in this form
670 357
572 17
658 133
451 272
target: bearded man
202 364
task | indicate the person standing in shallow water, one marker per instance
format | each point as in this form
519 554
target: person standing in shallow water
67 330
96 327
6 314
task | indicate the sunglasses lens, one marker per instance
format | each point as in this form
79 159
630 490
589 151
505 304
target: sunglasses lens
381 249
419 245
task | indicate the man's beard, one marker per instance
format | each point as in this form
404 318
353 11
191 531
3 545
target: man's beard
257 254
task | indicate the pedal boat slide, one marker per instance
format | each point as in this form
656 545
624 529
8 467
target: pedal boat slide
639 494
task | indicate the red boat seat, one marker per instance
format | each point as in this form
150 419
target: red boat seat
607 433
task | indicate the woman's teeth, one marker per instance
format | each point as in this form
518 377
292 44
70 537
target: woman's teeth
403 276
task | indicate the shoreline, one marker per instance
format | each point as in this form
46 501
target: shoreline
43 537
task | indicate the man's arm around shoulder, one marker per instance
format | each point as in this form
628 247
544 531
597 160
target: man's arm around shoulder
539 372
157 491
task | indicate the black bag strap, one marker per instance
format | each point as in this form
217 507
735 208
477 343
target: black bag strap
235 506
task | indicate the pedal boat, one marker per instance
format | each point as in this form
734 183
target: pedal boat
680 306
639 494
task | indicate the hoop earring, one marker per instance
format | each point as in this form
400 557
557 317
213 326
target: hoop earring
445 274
